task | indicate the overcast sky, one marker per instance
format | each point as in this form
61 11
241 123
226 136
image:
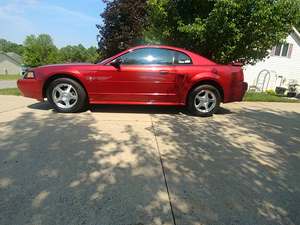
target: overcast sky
69 22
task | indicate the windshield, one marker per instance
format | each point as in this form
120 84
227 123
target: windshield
105 61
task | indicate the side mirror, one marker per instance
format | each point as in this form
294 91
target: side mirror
117 63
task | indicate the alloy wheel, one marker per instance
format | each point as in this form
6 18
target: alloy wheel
64 96
205 101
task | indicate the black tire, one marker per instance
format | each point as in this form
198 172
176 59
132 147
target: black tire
81 103
200 89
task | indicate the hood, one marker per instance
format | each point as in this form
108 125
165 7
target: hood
66 65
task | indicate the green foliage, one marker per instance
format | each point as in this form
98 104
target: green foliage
265 97
78 53
223 30
123 23
271 92
297 25
7 46
39 50
93 55
70 54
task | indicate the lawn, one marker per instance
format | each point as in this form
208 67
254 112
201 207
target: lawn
10 91
9 77
265 97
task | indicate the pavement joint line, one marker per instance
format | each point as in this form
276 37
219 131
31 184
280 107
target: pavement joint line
163 171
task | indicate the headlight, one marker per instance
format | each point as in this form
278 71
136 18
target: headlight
29 75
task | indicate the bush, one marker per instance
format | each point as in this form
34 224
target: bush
270 92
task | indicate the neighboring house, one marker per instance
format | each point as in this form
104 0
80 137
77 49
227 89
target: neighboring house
280 68
10 63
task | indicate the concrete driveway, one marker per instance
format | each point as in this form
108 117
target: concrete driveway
8 84
124 165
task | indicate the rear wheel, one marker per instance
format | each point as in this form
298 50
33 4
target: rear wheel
204 100
66 95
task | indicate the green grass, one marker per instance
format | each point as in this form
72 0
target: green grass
9 77
264 97
10 91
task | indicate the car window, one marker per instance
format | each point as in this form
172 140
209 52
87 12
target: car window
182 58
160 56
136 57
154 56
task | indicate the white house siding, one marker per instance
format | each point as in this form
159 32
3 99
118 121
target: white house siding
289 68
9 66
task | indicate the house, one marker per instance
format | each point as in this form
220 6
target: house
279 69
10 63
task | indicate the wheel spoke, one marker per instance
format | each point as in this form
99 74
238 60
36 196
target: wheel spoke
211 100
72 97
200 106
67 103
60 90
55 95
205 97
205 104
68 89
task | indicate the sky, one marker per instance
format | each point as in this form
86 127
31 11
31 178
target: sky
69 22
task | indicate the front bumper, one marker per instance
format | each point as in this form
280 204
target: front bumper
31 88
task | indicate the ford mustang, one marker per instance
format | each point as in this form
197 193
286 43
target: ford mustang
143 75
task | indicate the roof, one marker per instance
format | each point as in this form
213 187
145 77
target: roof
163 46
296 32
11 55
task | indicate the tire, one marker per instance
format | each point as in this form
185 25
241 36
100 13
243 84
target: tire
67 96
204 100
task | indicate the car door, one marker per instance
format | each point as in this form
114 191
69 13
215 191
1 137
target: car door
146 75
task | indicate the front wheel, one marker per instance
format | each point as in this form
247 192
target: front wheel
204 100
66 95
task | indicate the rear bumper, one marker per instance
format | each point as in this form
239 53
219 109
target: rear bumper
31 88
237 92
244 90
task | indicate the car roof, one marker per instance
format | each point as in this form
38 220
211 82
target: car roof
161 46
197 59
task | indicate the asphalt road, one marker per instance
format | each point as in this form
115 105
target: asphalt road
8 84
124 165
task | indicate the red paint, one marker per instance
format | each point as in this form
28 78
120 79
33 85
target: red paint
141 84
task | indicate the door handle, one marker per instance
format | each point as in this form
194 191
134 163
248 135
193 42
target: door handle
163 71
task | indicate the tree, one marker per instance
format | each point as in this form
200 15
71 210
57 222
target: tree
78 53
222 30
297 25
93 55
123 23
7 46
39 50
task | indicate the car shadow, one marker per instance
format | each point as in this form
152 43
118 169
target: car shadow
40 106
143 109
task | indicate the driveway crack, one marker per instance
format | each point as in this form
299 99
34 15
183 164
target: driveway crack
163 171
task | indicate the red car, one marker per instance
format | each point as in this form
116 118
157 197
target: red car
144 75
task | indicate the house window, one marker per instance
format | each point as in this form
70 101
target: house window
284 50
